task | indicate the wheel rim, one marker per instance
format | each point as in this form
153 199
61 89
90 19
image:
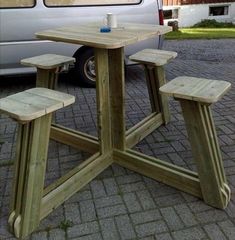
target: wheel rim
89 68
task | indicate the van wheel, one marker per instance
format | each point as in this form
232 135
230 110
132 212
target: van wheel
84 69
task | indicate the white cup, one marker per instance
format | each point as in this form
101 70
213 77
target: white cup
111 20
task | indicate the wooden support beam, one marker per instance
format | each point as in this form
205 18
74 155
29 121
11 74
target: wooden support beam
47 78
74 181
117 95
143 128
170 174
103 100
76 139
206 152
30 166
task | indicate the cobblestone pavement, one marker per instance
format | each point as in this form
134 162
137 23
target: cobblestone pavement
120 204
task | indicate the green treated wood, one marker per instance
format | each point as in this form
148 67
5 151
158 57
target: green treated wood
142 129
152 88
19 169
159 78
74 138
47 78
74 181
155 78
29 176
170 174
103 103
117 94
206 152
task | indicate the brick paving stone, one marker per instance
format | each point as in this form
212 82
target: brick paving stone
125 227
145 199
108 201
172 219
133 178
163 236
132 187
186 215
228 228
214 232
57 234
80 196
72 213
211 216
111 211
39 236
88 212
195 233
131 202
97 188
111 186
95 236
148 238
151 228
146 216
109 229
169 200
83 229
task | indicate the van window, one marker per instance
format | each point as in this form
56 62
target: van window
51 3
17 3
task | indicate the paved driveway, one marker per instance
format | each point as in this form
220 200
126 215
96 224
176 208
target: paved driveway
120 204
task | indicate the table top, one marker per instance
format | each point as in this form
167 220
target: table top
90 35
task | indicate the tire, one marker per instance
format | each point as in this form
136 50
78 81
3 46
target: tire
84 68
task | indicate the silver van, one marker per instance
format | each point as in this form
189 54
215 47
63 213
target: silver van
20 19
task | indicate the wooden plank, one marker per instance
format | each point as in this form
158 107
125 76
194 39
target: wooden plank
196 89
47 61
65 98
170 174
28 181
47 78
57 196
160 80
205 152
19 173
142 129
117 95
90 35
103 103
74 138
37 101
152 86
34 103
153 57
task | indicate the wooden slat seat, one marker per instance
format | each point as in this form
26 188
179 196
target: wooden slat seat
195 96
153 61
196 89
153 57
34 103
48 67
48 61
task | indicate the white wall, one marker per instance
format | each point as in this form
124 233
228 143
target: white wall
191 14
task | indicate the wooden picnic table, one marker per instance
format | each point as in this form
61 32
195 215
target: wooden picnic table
114 142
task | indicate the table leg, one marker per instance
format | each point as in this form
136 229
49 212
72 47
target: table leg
117 95
47 78
102 96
